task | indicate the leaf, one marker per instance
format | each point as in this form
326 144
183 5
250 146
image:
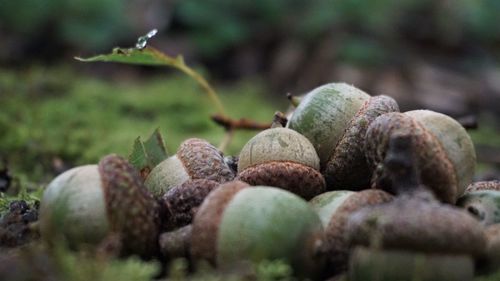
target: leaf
155 148
146 155
146 56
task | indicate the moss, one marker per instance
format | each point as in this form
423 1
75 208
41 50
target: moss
55 114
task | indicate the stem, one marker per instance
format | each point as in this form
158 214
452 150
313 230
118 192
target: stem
181 65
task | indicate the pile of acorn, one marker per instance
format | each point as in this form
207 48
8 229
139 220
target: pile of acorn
390 197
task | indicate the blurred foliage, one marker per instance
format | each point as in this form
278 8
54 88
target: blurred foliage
90 24
50 114
216 25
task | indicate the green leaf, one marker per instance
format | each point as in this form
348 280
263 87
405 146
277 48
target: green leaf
138 158
146 56
146 155
155 148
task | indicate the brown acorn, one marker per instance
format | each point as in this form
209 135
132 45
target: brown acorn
195 159
88 203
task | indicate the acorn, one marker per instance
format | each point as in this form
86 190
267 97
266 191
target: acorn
195 159
445 155
490 259
282 158
181 202
482 200
334 117
413 237
88 203
334 208
237 224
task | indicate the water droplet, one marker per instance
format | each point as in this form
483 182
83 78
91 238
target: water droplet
143 40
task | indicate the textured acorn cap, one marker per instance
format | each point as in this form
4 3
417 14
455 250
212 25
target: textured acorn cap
455 141
278 144
207 219
347 167
483 185
182 201
338 212
132 211
195 159
483 204
100 200
436 170
415 224
324 114
296 178
395 265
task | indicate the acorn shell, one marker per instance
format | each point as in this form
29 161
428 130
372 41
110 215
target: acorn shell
324 114
278 144
282 158
455 141
260 223
347 166
195 159
97 201
334 208
435 168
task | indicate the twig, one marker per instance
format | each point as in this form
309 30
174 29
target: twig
240 124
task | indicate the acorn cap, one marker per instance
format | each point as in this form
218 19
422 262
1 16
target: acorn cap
132 210
324 114
195 159
436 170
278 144
483 185
338 212
296 178
347 167
455 141
483 204
207 219
415 224
182 201
203 161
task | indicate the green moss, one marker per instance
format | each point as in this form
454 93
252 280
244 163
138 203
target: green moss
50 114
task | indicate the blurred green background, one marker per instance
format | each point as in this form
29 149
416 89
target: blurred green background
56 112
